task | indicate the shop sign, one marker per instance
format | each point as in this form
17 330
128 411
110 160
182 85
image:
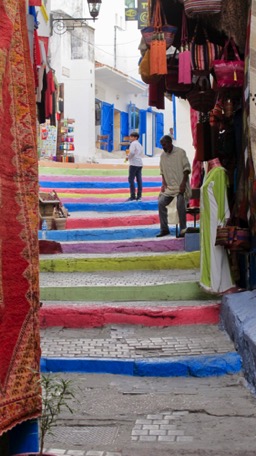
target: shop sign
131 14
142 14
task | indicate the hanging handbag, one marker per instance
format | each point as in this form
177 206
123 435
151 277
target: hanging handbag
195 8
202 97
159 25
158 63
203 141
233 238
184 55
172 85
144 69
229 73
203 54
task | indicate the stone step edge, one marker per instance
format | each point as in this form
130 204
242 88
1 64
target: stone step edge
193 366
73 316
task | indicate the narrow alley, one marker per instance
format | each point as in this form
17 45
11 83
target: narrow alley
124 318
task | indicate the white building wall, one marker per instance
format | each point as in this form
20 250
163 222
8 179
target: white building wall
116 44
184 135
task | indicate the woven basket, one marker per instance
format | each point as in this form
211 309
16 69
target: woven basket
60 223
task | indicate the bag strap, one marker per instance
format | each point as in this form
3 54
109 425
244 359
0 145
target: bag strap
157 19
184 30
229 42
195 33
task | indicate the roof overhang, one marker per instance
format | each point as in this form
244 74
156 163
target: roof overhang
118 80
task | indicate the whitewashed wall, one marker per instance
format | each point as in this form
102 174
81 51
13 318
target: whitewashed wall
184 135
116 43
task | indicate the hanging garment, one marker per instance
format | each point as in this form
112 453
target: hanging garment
215 275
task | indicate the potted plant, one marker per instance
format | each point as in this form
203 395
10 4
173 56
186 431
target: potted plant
55 395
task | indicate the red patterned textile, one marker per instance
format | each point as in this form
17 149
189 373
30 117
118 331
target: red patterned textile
197 166
19 284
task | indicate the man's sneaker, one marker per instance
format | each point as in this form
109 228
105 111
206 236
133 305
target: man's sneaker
183 232
131 199
139 199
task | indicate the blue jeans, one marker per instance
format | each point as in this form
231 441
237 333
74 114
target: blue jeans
135 172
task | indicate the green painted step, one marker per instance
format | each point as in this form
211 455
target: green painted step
187 260
43 171
179 291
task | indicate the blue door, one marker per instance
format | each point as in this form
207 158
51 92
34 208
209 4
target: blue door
124 131
107 123
159 128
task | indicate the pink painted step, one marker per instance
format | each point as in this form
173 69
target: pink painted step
86 317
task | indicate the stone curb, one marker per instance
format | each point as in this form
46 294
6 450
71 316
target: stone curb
238 317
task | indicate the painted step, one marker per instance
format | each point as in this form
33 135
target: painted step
119 286
165 244
94 184
72 263
103 234
92 314
111 221
193 350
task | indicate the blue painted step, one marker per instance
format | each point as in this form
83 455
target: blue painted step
92 184
102 234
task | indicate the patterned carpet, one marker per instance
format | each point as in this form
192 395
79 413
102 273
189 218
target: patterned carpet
19 287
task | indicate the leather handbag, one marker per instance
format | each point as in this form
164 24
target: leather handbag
202 97
195 8
229 73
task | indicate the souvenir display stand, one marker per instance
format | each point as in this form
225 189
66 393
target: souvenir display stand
66 141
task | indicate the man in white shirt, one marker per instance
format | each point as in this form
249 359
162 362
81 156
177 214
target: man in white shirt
174 169
135 169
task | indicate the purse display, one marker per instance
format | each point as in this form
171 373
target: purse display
229 73
195 8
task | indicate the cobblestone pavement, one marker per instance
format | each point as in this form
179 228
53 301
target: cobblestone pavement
117 341
127 416
117 278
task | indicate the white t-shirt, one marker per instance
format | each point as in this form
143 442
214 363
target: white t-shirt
135 154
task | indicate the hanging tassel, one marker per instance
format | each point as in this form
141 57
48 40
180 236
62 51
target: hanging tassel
235 75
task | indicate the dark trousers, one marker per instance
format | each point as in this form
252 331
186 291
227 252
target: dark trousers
163 201
135 172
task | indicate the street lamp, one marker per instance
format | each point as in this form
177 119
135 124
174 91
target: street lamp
94 8
62 24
